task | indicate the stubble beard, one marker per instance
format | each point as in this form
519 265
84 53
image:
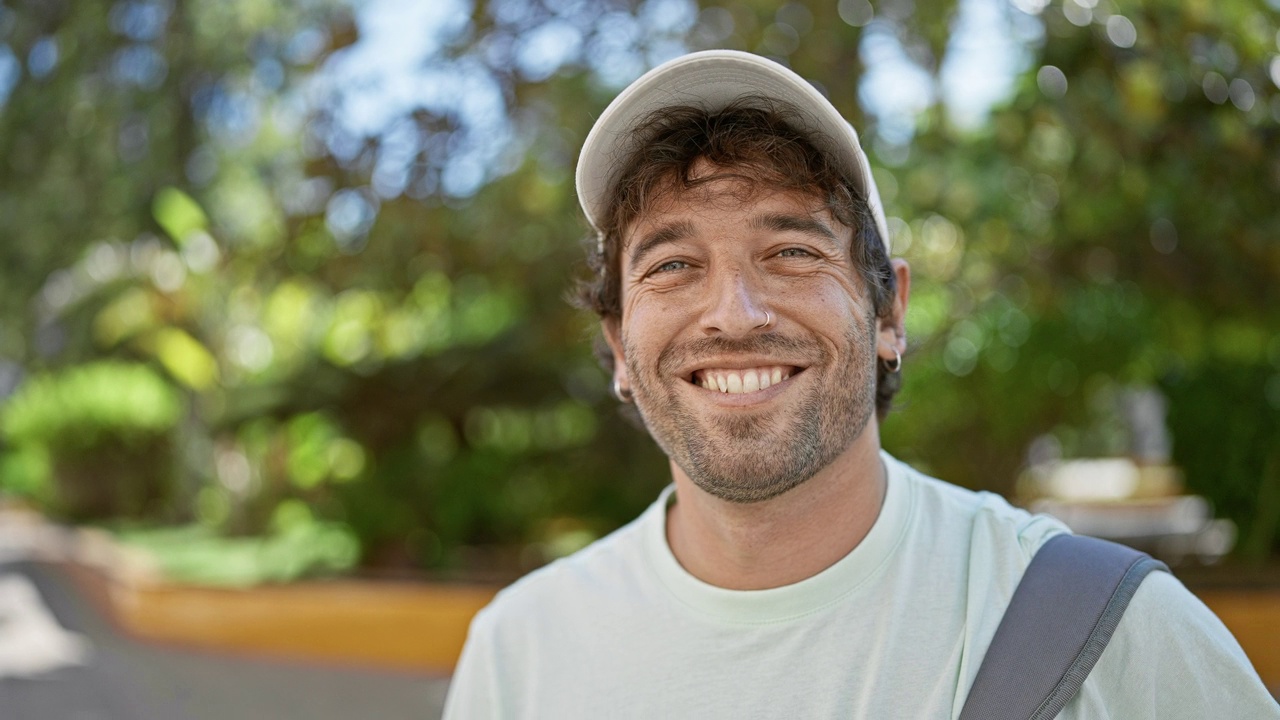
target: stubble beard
752 458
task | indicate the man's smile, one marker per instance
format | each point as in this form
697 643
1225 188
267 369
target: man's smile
741 381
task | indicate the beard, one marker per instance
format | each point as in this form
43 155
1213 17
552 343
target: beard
752 457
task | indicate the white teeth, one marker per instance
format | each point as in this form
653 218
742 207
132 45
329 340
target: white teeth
743 381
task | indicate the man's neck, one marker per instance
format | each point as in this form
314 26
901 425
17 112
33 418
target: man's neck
783 540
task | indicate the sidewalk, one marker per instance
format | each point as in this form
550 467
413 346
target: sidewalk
123 679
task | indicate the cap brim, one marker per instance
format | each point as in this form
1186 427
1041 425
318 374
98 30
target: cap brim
712 80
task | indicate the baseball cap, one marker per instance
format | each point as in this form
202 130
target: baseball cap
713 79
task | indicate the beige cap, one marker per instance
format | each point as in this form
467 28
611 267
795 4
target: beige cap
713 79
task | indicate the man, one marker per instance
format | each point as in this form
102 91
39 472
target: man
793 569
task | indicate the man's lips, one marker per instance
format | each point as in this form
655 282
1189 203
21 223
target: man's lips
741 381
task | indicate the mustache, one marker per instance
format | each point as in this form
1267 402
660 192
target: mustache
768 344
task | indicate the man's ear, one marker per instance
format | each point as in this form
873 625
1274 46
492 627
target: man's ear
893 329
611 328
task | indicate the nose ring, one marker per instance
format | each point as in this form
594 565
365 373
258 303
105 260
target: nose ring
768 320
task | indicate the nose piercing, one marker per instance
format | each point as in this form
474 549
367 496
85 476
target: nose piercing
768 320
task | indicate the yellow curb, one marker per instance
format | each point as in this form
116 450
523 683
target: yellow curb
415 626
412 627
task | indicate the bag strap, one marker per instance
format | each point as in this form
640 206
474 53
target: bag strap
1061 617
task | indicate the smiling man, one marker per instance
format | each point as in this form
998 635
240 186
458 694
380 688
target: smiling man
792 569
748 338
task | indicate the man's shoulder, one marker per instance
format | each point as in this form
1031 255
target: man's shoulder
985 519
1171 657
1164 610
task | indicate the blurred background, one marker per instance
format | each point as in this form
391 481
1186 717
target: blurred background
282 284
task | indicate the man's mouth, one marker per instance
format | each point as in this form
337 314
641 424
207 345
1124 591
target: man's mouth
740 381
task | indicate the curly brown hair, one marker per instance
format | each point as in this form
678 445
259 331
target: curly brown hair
754 139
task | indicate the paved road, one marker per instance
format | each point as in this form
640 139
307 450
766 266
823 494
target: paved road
123 679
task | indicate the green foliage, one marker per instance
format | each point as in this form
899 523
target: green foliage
84 406
367 319
1109 227
1227 439
299 547
178 214
25 473
92 441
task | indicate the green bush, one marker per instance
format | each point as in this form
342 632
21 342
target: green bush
105 430
1226 437
24 473
297 546
87 405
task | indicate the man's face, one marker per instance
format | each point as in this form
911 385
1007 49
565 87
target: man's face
747 409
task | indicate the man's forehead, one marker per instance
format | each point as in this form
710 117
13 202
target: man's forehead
727 189
677 212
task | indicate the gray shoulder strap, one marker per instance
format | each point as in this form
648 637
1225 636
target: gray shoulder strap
1061 617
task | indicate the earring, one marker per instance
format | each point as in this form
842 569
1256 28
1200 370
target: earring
896 365
623 394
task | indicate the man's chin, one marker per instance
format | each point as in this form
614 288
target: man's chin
744 484
756 429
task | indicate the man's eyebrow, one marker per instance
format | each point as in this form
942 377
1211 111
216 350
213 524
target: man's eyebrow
665 234
783 222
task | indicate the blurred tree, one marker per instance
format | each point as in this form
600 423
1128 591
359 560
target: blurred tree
347 239
1114 224
102 105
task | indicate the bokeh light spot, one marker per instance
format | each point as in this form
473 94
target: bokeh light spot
1241 93
856 12
1164 236
1215 88
1121 32
1052 81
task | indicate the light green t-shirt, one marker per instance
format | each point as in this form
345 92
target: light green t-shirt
895 629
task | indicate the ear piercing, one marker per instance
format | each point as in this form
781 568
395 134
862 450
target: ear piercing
623 394
896 365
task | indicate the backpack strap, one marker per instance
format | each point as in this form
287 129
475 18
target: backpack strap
1060 619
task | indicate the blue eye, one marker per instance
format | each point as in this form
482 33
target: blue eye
670 266
795 252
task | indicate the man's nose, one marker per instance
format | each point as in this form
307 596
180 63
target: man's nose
736 304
